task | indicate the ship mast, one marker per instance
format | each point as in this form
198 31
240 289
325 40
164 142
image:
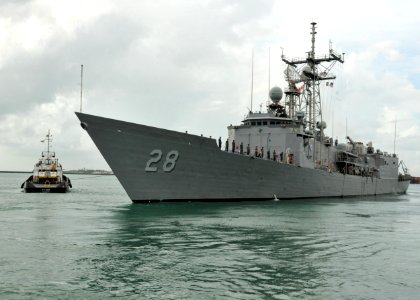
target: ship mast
48 138
308 98
81 87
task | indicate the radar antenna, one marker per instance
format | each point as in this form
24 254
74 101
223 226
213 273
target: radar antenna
310 73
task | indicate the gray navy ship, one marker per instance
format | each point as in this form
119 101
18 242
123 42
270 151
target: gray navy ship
282 153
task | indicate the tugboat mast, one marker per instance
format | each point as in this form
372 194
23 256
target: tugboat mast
48 138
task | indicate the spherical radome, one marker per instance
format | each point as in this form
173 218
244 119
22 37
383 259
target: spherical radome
276 94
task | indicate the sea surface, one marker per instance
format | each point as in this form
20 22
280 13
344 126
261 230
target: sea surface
93 243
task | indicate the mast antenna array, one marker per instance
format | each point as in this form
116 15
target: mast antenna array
49 139
311 75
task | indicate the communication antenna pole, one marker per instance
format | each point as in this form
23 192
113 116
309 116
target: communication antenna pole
81 87
269 74
395 132
346 128
252 77
49 139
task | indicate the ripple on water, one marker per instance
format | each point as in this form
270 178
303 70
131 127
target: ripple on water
92 243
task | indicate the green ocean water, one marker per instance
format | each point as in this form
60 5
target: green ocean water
93 243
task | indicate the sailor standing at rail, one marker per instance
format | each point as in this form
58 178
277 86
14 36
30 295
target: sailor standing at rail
241 148
248 150
233 146
220 142
227 145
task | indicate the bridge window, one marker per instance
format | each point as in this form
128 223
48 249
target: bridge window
258 123
265 123
253 123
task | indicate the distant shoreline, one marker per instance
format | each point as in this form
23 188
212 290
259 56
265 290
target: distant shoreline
65 172
15 171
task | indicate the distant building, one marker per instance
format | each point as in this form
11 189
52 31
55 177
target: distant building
89 172
415 180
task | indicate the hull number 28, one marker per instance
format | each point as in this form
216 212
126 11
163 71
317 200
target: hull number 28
156 156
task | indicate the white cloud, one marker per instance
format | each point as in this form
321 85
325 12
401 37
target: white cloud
68 15
24 130
32 26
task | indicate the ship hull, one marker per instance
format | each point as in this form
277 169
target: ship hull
45 188
154 164
32 187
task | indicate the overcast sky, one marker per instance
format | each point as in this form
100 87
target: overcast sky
186 65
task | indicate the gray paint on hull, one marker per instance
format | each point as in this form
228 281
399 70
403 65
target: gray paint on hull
203 171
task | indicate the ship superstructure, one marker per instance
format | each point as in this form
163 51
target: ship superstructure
279 153
293 131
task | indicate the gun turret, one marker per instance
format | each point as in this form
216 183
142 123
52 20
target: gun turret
350 140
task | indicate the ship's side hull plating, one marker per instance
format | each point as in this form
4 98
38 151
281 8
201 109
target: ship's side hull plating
154 164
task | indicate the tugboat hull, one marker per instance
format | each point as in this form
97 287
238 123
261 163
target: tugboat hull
45 188
30 187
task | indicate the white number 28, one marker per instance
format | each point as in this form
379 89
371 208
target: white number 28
156 156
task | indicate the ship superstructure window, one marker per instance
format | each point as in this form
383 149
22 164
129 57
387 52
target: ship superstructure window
265 123
253 123
259 123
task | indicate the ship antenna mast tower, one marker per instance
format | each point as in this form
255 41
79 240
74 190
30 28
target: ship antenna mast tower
81 87
307 98
49 139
